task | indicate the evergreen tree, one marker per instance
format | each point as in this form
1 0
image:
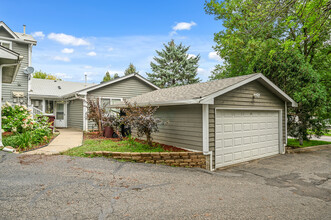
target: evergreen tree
116 76
107 77
130 70
174 67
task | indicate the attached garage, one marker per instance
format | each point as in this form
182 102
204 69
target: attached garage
243 135
230 120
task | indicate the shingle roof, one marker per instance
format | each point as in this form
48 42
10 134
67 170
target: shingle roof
55 88
25 37
188 92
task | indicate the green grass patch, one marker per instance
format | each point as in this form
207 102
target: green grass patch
295 143
109 145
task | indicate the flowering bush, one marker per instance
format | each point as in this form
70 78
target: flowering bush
18 119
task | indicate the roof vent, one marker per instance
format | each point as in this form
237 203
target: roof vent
59 87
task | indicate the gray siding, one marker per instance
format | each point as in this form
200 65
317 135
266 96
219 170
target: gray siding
21 82
242 98
124 89
75 114
4 33
183 127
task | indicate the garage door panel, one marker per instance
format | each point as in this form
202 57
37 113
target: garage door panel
245 135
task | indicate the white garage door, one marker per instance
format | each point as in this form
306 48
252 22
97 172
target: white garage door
243 135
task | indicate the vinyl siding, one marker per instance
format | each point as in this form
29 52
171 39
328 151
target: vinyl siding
242 98
4 33
75 114
183 126
21 82
124 89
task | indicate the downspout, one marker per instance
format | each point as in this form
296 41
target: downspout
14 76
285 115
205 135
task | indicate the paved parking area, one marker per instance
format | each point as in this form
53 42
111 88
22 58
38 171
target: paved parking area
296 186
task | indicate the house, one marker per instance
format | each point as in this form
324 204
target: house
67 100
233 120
19 43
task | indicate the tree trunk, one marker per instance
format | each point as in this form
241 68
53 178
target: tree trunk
301 140
149 139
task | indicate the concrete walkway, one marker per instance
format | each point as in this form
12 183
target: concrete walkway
67 139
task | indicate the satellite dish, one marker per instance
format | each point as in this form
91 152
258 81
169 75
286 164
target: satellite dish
29 70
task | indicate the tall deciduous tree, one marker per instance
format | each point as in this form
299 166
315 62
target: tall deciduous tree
43 75
289 42
174 67
130 70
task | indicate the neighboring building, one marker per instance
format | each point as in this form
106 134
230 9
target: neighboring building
20 43
67 100
234 120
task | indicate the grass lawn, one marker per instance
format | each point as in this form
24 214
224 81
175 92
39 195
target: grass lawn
109 145
295 143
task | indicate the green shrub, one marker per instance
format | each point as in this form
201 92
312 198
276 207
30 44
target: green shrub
18 119
28 139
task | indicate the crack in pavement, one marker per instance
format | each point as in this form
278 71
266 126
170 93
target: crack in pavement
107 211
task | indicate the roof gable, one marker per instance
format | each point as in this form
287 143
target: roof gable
5 31
205 93
84 91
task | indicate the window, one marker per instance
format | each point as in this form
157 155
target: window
6 44
49 106
107 102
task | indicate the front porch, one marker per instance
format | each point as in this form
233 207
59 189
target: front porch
56 108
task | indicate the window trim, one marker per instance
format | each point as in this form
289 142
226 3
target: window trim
7 42
108 98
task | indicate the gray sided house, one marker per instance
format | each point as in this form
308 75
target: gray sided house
20 43
233 120
67 100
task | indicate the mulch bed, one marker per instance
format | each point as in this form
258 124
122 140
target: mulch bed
97 136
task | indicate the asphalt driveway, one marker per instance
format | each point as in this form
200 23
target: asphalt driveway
296 186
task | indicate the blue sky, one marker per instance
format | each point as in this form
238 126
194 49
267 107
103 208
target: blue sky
92 37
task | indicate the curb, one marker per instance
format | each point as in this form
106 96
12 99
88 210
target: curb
307 149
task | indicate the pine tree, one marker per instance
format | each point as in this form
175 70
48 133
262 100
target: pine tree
130 70
107 77
174 67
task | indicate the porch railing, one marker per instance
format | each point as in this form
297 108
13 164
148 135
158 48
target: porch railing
36 111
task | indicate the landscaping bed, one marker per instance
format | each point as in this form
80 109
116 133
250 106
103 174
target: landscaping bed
132 149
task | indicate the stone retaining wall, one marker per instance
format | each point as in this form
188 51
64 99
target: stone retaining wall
179 159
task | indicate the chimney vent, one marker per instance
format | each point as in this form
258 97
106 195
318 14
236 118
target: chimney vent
24 26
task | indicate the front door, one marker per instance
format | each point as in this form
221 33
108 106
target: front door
60 115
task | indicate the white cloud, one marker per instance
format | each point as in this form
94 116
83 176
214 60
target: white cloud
87 67
92 54
110 49
67 50
183 26
214 56
68 39
38 34
63 76
59 58
191 55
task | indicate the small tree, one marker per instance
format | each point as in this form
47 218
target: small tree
107 77
130 70
95 112
143 119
